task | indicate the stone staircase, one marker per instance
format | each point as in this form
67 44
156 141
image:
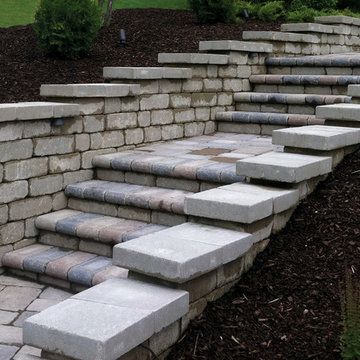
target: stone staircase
165 227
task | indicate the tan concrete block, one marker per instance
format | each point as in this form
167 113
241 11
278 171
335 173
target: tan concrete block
24 209
24 169
62 163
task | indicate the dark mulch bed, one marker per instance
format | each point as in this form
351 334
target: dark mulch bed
23 68
287 306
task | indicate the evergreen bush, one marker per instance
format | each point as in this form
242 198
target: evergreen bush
67 28
213 11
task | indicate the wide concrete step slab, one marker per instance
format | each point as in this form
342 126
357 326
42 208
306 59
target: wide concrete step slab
339 112
314 80
37 110
146 73
235 45
316 28
284 167
94 227
268 118
107 321
323 138
146 197
192 59
182 252
336 60
290 99
73 266
243 203
89 90
280 36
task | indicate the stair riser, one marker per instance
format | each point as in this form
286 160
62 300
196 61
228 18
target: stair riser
312 70
75 243
153 180
241 128
301 89
127 212
278 108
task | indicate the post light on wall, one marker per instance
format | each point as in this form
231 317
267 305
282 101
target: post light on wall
122 38
57 122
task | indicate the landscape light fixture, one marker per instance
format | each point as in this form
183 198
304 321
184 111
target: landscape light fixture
57 122
246 14
122 38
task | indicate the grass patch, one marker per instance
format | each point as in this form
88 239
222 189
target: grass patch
21 12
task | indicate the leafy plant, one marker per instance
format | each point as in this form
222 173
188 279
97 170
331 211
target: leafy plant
67 28
353 5
350 313
213 11
272 11
302 14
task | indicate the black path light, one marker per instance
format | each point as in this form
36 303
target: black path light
246 14
122 38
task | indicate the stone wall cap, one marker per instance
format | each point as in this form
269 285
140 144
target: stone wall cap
193 58
280 36
146 73
235 45
339 19
89 90
37 110
316 28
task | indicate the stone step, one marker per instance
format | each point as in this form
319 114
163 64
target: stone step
107 321
182 252
243 203
284 167
122 194
334 60
280 36
89 232
290 99
269 118
146 73
323 138
67 266
192 59
314 80
316 28
89 90
340 112
37 110
338 19
235 45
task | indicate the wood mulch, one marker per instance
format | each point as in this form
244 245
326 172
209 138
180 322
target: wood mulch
287 306
23 67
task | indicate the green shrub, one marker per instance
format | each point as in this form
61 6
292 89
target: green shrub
213 11
67 28
302 14
272 11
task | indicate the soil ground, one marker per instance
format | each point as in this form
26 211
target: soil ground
23 67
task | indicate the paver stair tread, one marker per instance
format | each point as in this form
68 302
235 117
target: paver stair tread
284 167
192 58
323 138
106 321
182 252
205 158
244 203
101 228
298 99
75 266
146 73
280 36
89 90
333 60
146 197
325 80
339 112
268 118
37 110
